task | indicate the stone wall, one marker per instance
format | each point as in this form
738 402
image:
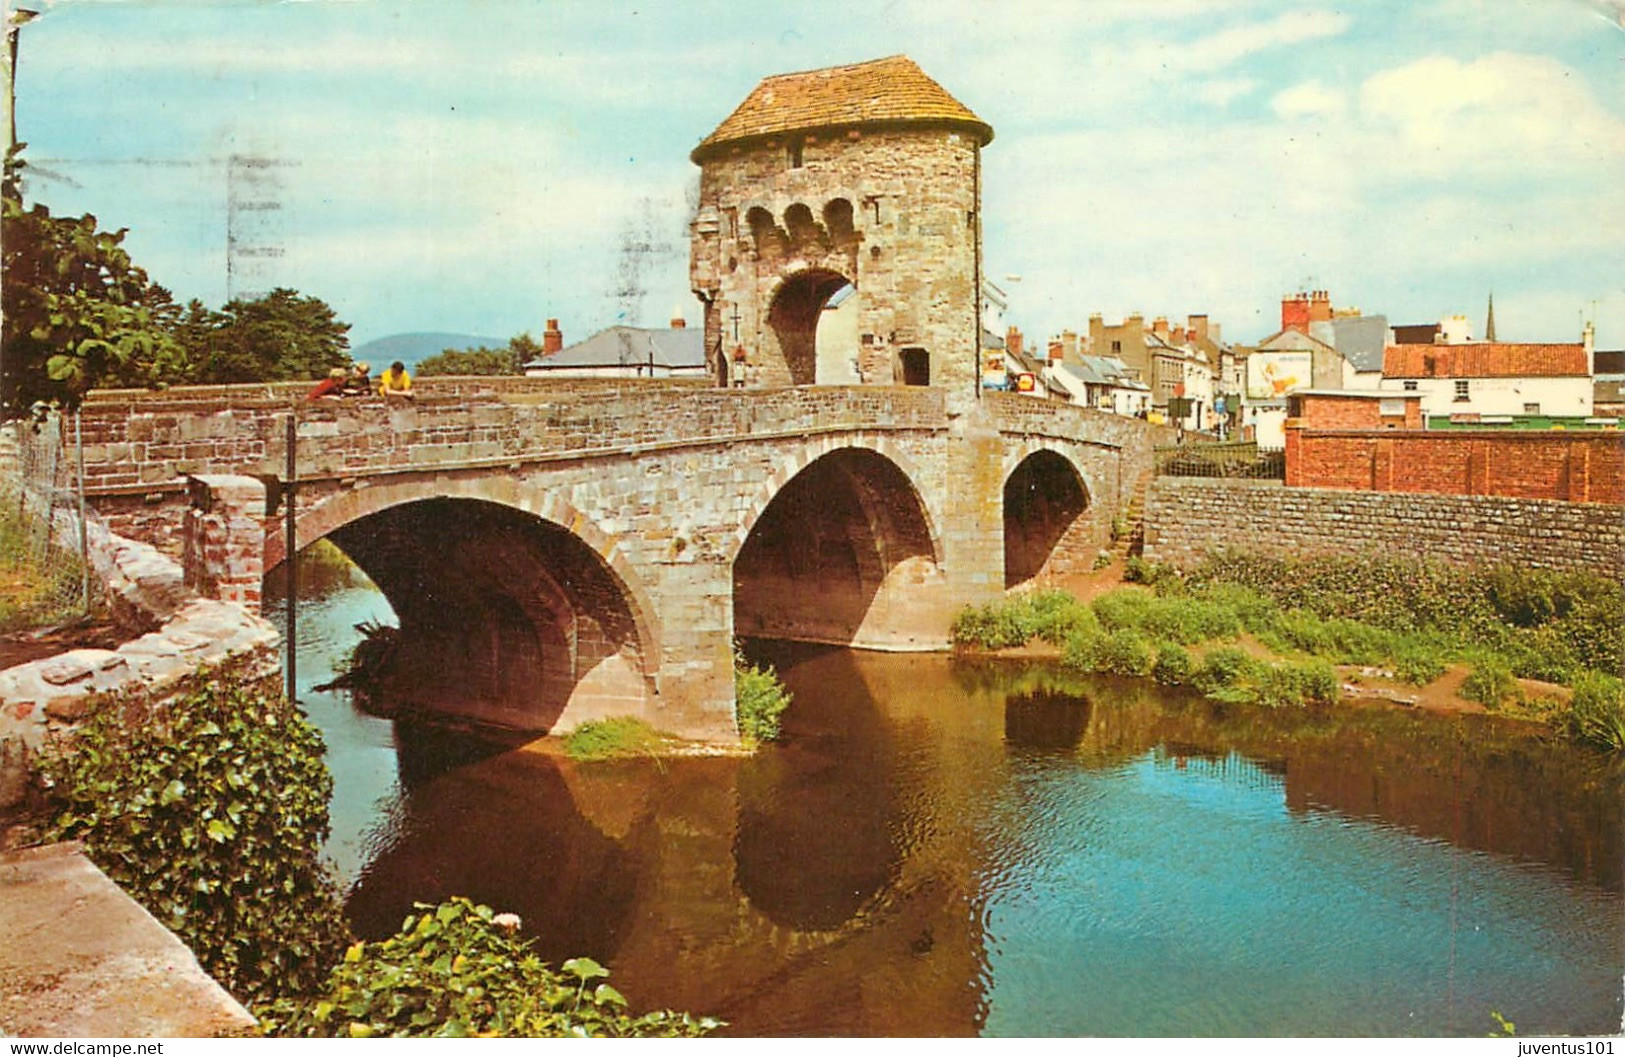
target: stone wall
1190 517
1581 467
174 633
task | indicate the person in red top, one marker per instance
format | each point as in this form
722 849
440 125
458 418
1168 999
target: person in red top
332 385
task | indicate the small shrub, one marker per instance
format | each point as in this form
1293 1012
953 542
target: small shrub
1081 649
1102 559
1491 684
1125 652
210 811
1174 666
761 700
1224 667
1296 683
1418 664
1597 716
605 739
458 970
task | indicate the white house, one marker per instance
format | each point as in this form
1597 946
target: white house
1491 380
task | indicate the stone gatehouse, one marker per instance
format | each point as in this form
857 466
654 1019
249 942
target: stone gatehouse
865 176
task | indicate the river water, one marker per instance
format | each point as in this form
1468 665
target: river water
949 848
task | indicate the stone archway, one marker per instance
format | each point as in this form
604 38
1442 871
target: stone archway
791 341
506 618
1045 499
843 554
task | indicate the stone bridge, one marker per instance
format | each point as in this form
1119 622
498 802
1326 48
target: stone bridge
561 551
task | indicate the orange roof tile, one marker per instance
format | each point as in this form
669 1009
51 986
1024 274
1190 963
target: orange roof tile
1485 360
885 91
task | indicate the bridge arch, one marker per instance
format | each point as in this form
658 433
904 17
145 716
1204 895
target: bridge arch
840 548
1046 500
515 609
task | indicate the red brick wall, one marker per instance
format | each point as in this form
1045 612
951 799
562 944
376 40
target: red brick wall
1582 467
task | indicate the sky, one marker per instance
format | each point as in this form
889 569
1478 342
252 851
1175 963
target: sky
480 166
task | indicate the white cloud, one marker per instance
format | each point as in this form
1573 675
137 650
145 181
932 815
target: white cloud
1233 45
1222 91
1504 113
1309 99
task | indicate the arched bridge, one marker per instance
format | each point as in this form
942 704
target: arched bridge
563 551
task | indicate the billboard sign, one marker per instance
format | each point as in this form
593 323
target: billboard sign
1272 375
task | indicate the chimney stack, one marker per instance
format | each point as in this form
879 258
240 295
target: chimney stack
679 323
1159 326
552 338
1012 341
1295 313
1320 307
1069 345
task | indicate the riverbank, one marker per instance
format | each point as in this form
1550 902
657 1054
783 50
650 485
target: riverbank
1528 645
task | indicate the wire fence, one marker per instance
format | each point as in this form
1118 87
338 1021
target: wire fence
45 574
1239 459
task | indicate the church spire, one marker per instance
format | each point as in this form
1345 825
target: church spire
1489 320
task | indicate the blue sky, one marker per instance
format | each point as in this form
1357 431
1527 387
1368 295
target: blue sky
481 165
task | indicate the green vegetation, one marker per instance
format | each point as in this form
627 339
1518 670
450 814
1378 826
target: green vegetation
761 700
1597 716
1410 618
486 361
1491 684
34 593
210 812
605 739
458 970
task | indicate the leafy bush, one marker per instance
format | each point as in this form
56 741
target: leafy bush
1294 683
1174 666
211 812
605 739
1125 652
1222 668
1491 684
458 970
1597 716
1137 570
761 701
1081 648
1050 615
1181 619
1417 663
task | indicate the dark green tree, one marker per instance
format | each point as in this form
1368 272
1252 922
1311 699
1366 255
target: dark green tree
77 312
508 361
283 335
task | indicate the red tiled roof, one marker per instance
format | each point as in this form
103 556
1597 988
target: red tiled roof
885 91
1485 360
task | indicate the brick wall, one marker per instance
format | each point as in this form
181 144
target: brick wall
1188 518
1581 467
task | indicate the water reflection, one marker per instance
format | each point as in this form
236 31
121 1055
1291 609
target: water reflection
941 848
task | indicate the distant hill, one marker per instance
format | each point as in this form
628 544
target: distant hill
411 349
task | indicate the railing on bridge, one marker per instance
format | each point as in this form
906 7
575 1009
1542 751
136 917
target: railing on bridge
1241 460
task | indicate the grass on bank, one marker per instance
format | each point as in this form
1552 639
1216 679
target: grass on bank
1411 618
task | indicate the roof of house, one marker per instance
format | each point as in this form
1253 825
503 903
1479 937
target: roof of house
888 91
1415 333
1608 361
1361 340
1488 359
630 347
1291 340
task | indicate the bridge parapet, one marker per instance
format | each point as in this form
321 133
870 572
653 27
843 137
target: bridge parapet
147 442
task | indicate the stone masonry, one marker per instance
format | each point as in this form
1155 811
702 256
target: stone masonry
1188 518
659 486
868 175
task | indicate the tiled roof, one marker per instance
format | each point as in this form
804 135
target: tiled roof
885 91
1485 360
630 347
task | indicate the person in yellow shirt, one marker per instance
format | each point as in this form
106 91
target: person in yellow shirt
395 383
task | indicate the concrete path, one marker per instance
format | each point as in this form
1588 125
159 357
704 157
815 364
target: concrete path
80 959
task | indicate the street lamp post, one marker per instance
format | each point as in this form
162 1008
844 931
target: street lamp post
15 21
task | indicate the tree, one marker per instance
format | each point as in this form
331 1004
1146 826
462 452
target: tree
283 335
77 312
486 361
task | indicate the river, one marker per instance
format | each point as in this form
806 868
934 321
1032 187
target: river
940 847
